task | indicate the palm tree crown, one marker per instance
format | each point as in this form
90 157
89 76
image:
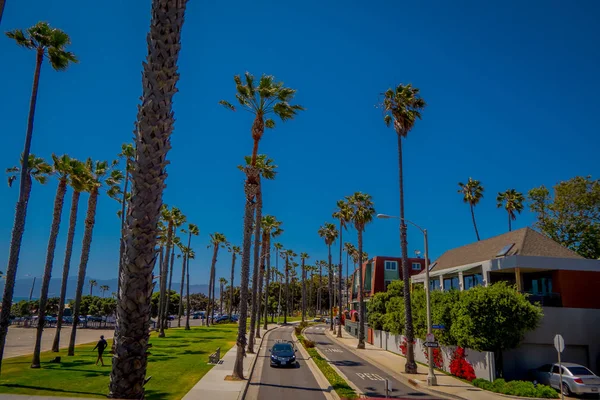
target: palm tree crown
328 232
361 205
512 202
39 170
472 191
403 106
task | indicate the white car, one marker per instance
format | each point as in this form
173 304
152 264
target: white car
576 379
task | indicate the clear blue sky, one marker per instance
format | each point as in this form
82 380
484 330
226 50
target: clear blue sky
512 89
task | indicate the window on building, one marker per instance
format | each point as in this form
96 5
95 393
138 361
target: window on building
451 283
416 266
434 284
391 265
473 280
387 283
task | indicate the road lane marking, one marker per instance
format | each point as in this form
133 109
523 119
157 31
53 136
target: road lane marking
372 377
333 350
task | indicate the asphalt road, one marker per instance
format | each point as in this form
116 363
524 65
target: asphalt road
366 376
297 383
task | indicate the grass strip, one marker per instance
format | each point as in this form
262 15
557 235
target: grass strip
338 384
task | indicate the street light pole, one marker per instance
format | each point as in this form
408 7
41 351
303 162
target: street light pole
431 379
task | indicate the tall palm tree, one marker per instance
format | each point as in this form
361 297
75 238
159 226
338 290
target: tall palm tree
79 180
343 213
222 283
402 107
472 193
184 251
294 281
192 229
303 257
288 254
512 201
103 175
271 229
217 240
154 127
362 213
266 170
92 283
190 256
50 43
320 264
329 233
104 289
349 249
128 154
161 240
276 273
263 100
62 168
235 250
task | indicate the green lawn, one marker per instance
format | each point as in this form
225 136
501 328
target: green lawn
176 363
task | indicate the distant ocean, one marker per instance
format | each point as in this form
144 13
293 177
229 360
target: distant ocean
16 299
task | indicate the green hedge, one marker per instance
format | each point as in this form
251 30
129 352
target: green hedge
517 388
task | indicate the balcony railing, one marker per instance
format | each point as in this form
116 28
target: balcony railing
544 299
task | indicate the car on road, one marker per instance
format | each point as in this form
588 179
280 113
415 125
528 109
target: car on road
67 320
576 379
93 318
318 319
50 319
198 315
283 355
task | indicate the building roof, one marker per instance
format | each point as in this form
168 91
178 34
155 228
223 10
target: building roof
525 241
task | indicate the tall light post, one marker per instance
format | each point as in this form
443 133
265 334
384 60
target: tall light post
431 379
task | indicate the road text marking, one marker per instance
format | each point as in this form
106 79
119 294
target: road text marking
372 377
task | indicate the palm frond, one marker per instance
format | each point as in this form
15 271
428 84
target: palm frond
19 36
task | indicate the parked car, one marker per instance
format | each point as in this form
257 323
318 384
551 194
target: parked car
198 315
283 355
50 319
92 318
576 379
67 320
317 319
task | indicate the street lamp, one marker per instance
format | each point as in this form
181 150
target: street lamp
431 379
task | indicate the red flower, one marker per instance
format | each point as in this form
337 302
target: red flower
403 345
438 359
459 366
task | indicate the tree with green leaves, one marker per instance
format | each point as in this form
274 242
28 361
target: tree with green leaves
271 228
154 125
472 192
103 175
93 283
48 43
192 229
512 201
277 274
303 257
217 240
191 255
571 216
80 181
329 234
402 107
104 289
235 251
349 249
288 255
363 212
343 213
262 101
493 318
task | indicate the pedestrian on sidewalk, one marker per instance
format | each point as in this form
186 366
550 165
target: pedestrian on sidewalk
101 345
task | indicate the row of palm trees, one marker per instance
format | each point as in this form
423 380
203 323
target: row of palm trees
510 199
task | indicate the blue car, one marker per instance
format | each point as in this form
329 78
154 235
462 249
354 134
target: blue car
283 355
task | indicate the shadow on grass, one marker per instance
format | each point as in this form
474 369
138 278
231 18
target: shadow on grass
194 352
155 394
18 386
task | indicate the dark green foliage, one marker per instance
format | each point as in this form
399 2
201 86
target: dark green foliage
173 303
517 388
96 306
377 306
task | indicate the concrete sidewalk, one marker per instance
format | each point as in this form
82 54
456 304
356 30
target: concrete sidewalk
214 386
448 386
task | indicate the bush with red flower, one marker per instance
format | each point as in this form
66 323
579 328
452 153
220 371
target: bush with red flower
404 344
459 366
438 359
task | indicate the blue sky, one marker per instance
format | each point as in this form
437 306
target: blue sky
511 89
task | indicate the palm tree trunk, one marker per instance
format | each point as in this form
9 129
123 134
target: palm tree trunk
474 223
221 296
56 217
160 288
20 212
319 292
339 333
287 290
303 291
213 286
255 273
163 283
211 291
260 285
66 267
410 366
509 223
330 286
361 301
85 255
181 291
168 296
267 253
155 124
187 295
250 190
123 215
230 311
2 2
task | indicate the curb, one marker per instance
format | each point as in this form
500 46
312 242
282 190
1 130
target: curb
243 392
319 376
340 373
411 381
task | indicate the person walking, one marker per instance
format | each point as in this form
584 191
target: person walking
101 345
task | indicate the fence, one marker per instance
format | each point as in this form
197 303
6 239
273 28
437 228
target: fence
482 362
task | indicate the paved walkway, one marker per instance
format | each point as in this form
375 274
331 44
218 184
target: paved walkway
214 386
391 363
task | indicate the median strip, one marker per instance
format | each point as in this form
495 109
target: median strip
341 387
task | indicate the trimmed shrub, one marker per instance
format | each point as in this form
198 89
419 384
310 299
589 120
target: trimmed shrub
460 367
517 388
309 344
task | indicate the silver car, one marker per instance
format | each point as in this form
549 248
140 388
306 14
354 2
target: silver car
576 379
